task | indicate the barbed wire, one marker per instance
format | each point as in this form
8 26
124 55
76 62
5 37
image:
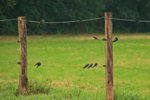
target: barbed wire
144 21
128 20
131 20
75 21
6 20
65 22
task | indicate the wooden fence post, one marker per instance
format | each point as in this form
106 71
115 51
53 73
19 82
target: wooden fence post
109 57
23 80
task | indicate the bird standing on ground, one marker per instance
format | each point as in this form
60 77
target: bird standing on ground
85 66
95 64
38 64
95 38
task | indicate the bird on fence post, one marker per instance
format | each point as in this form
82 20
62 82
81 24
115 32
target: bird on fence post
38 64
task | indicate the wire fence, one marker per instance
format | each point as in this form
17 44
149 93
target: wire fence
89 25
75 21
7 20
65 22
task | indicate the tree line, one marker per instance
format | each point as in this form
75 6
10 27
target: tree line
64 10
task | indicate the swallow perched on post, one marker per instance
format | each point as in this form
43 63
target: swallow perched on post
95 38
85 66
38 64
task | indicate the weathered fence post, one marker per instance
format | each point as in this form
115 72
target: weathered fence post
23 80
109 57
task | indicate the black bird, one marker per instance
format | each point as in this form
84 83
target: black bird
85 66
38 64
95 38
104 39
95 64
115 40
90 65
18 62
18 41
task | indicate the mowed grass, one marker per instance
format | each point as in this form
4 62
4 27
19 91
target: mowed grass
62 75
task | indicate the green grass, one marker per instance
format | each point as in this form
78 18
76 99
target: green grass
61 76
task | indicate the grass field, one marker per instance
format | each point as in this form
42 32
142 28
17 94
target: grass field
62 77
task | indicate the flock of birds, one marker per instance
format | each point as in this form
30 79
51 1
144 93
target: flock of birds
38 64
89 65
104 39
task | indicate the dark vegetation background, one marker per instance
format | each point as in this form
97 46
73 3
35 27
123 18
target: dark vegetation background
64 10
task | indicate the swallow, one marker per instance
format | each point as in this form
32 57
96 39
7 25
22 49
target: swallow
18 62
90 65
85 66
115 40
104 39
95 64
18 41
38 64
95 38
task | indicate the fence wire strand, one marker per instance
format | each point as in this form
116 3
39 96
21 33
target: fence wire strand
131 20
128 20
75 21
6 20
65 22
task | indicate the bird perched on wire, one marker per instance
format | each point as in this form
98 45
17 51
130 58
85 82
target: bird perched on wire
38 64
85 66
115 40
90 65
95 65
104 39
18 62
95 38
